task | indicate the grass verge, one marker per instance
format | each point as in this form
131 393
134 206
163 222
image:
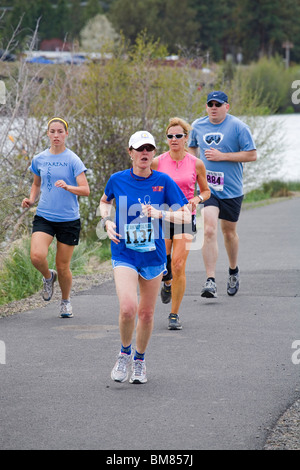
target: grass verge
273 189
19 279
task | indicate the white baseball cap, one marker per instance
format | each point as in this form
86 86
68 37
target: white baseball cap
141 138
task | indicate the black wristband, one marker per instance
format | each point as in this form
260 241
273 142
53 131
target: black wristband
104 220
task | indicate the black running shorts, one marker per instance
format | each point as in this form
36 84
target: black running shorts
229 208
65 232
172 229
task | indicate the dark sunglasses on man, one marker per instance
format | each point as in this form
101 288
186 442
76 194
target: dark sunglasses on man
210 104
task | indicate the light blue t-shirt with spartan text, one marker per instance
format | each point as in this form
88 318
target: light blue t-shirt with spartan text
225 179
57 204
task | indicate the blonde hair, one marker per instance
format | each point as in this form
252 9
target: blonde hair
58 119
176 121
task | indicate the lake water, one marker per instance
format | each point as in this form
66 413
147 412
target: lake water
277 140
289 143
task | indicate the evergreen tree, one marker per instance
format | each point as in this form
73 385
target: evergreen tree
61 25
92 9
76 18
266 24
170 21
252 27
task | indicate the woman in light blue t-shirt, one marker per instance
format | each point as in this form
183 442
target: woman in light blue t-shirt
59 178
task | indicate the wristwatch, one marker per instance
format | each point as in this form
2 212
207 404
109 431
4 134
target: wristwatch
104 220
200 197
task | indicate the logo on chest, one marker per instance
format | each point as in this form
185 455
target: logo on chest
213 137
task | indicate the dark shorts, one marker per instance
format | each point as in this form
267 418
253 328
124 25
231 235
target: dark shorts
65 232
229 208
176 229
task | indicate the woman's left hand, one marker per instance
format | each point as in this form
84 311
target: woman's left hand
61 184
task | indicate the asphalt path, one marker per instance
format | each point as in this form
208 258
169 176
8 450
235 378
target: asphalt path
219 383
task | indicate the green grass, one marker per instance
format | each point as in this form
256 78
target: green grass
272 189
19 279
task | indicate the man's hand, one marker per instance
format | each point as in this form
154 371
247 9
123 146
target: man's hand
214 155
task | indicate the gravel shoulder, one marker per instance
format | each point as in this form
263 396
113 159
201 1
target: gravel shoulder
286 434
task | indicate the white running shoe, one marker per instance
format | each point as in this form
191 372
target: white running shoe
138 372
66 309
121 368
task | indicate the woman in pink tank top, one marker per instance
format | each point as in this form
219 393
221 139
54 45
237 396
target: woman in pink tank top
186 170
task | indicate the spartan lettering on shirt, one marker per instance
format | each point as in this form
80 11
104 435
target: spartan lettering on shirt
55 164
49 184
49 165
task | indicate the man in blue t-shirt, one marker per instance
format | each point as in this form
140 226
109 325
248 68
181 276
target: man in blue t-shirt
224 143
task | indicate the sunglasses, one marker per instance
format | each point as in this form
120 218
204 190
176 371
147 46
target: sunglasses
149 148
177 136
210 104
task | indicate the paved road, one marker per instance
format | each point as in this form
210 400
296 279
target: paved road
220 383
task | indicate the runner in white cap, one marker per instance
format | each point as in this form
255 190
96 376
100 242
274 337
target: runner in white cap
143 198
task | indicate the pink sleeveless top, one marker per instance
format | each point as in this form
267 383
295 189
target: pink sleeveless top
182 172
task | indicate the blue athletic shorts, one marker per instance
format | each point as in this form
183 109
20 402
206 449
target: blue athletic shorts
148 272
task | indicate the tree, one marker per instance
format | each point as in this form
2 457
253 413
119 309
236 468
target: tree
76 19
64 18
211 16
266 24
176 26
92 9
30 11
170 21
97 32
61 24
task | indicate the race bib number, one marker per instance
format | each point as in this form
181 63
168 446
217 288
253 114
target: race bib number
215 179
140 237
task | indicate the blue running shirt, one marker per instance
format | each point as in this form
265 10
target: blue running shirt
225 179
142 242
57 204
